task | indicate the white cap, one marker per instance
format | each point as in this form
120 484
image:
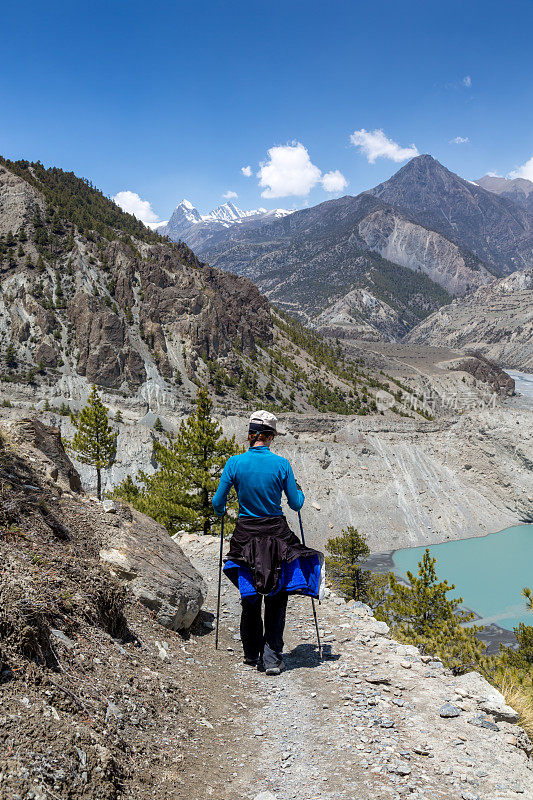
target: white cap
263 422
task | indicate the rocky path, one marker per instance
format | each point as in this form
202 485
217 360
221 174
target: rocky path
374 719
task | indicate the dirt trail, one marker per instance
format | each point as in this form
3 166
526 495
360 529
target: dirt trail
363 723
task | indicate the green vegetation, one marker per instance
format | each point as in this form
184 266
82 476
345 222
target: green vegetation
179 493
512 671
421 614
406 290
327 359
95 441
345 570
79 202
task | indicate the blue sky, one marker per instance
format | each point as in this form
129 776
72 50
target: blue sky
172 99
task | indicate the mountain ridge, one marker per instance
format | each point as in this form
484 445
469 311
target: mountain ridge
186 218
496 320
494 228
391 248
85 300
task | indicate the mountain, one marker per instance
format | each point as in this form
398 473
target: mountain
187 224
89 295
377 264
309 261
112 303
520 190
496 320
492 227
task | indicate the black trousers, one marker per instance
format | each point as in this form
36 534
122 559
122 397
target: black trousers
268 642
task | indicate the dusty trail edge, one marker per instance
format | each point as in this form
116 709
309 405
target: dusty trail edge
363 723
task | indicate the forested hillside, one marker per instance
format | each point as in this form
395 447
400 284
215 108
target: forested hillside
90 295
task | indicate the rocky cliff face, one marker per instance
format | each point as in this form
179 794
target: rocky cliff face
496 320
118 312
488 372
422 250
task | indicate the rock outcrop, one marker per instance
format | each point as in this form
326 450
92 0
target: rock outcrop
496 320
119 312
142 555
486 371
132 547
413 246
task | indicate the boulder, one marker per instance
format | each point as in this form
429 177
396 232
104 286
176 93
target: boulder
142 555
488 699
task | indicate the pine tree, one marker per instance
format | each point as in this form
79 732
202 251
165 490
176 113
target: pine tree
420 613
179 493
528 594
11 358
522 656
128 490
95 441
158 426
118 416
344 564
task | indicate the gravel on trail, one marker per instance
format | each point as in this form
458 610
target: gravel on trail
365 722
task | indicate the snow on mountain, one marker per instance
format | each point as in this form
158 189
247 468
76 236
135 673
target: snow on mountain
186 217
227 213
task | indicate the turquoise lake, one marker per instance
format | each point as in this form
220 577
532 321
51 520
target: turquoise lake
489 572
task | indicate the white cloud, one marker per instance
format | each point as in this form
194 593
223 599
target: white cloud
334 181
460 140
467 81
229 195
288 171
132 203
375 144
525 171
247 172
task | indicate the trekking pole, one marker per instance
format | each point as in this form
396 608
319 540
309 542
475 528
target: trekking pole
312 599
219 579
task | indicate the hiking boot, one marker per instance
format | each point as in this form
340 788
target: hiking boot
251 662
273 670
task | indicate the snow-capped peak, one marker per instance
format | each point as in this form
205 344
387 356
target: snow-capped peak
225 215
186 210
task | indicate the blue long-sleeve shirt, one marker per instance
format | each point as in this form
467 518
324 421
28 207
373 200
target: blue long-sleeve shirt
259 478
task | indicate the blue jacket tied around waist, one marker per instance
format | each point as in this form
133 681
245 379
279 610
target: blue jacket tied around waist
265 557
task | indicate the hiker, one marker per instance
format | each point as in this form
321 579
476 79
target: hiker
265 558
